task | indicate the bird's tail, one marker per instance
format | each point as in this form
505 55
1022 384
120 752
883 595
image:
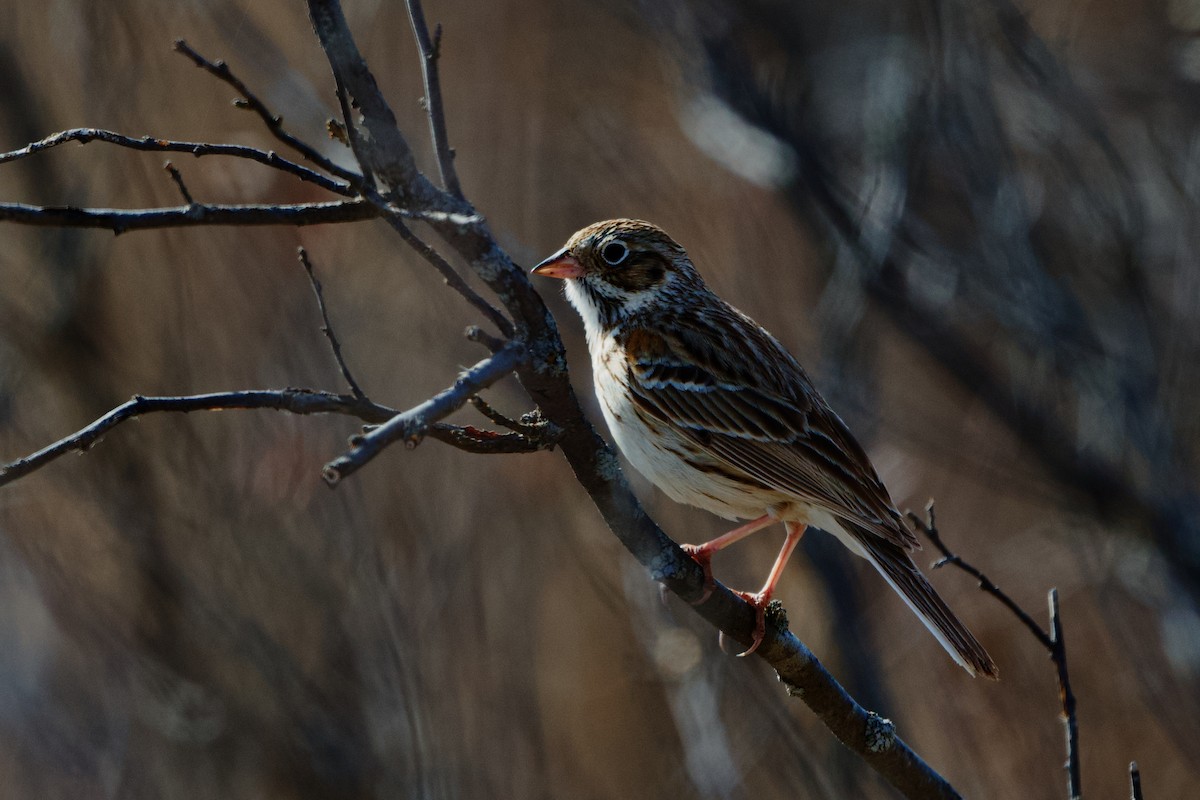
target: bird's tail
898 569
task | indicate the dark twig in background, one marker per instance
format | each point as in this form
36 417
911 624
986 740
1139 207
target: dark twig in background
1135 781
1053 641
327 326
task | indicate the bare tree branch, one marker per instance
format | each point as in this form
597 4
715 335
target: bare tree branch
295 401
123 220
1053 641
480 336
430 52
273 121
1058 654
495 416
412 425
154 144
484 442
383 150
120 220
930 531
177 178
327 326
448 273
532 425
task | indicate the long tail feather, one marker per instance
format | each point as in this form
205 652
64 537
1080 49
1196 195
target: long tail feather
898 569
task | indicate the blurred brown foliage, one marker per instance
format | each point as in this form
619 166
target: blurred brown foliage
188 612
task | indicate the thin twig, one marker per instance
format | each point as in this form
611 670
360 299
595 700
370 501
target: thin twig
930 531
383 152
495 416
296 401
1052 641
354 138
122 220
430 51
480 336
532 424
1058 654
412 425
448 273
154 144
119 220
327 326
1135 781
485 442
273 121
378 144
179 184
368 189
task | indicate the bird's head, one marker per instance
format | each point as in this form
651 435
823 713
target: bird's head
619 268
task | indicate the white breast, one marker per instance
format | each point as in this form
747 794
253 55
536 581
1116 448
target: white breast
658 452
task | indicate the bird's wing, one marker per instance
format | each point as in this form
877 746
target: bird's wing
747 401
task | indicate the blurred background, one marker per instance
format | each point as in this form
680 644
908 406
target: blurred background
973 222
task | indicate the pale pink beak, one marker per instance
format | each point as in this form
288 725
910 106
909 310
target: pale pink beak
561 265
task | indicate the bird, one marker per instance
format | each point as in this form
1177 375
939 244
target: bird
717 414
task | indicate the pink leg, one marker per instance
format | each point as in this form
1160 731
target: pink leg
762 597
703 553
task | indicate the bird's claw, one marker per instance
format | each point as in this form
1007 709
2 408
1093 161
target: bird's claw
759 600
703 557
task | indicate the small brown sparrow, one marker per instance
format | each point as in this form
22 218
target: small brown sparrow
716 413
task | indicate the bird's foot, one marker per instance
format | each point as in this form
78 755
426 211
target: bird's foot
760 601
702 555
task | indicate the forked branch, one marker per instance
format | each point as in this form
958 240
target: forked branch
274 122
411 426
295 401
1053 640
198 149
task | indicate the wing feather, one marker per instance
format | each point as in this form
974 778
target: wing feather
761 416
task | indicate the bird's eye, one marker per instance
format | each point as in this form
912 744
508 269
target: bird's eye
614 253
